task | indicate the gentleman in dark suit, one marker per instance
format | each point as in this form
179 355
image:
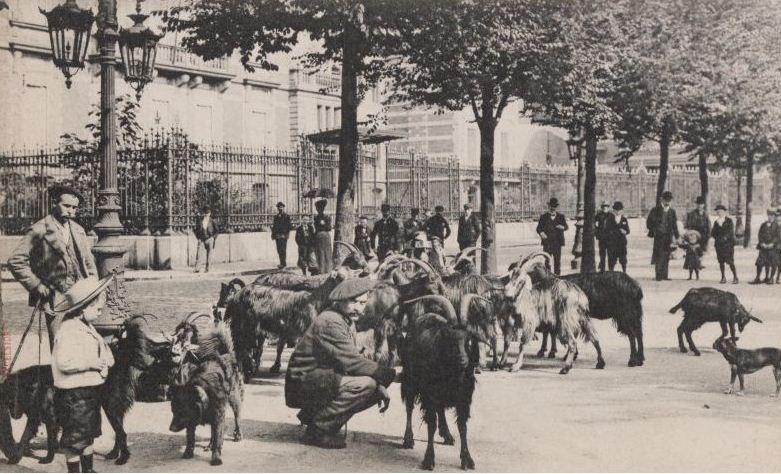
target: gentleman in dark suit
280 232
550 228
54 254
206 233
600 220
438 230
697 219
468 228
662 225
385 234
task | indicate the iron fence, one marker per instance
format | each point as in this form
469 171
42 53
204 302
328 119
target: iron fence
165 182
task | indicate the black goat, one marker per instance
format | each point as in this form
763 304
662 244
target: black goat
438 372
200 396
706 305
616 296
29 392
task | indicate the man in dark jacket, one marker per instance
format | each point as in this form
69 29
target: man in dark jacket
468 228
550 228
327 378
385 234
206 233
305 240
280 232
662 225
697 219
599 232
616 228
438 230
363 238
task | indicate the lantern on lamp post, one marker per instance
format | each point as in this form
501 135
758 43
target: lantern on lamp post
138 48
69 32
574 148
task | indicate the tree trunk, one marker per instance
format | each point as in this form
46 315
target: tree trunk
348 149
749 197
739 230
664 163
487 206
703 169
588 264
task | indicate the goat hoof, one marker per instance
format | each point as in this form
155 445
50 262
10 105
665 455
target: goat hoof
408 443
448 440
427 464
15 457
564 371
236 437
697 353
274 369
728 391
467 463
631 363
216 462
123 458
552 355
601 364
113 454
188 454
683 350
739 393
541 353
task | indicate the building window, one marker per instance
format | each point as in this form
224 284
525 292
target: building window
329 119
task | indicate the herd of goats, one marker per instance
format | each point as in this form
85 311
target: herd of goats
432 323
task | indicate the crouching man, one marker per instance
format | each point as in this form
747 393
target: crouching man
80 363
327 378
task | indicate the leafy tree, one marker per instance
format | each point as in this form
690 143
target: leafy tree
579 92
476 55
352 33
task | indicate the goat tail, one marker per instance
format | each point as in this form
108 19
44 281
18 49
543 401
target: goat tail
587 330
676 307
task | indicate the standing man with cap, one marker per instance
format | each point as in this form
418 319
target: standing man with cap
55 253
602 215
662 225
468 228
438 230
697 219
206 233
385 234
550 228
323 246
723 233
327 378
80 363
280 232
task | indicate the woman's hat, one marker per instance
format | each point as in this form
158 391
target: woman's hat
720 207
618 206
80 294
553 202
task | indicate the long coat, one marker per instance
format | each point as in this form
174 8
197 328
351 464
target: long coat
600 220
554 237
663 227
612 237
323 246
767 240
363 240
281 227
207 233
699 221
724 240
386 235
325 353
468 230
305 239
40 256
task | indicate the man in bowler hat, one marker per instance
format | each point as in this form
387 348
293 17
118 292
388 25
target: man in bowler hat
550 228
662 225
280 232
600 219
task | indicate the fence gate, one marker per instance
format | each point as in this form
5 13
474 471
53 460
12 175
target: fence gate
423 182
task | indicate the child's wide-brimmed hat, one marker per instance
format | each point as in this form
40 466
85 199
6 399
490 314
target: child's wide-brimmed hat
80 294
691 236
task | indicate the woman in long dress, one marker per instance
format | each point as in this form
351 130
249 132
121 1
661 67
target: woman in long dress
323 246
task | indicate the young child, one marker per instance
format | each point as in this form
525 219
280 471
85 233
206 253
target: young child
305 239
363 238
693 247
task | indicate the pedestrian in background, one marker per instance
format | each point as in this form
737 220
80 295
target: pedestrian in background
80 363
438 230
778 246
723 233
697 219
363 238
305 240
767 240
550 228
411 227
54 254
468 228
323 246
206 234
662 225
616 228
280 232
385 234
602 215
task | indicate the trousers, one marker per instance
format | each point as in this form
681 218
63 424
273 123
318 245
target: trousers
282 251
204 247
602 255
356 394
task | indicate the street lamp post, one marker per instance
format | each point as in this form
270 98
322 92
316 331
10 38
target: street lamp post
574 147
69 31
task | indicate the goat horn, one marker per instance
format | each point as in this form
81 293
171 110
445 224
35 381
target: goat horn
532 255
350 246
425 266
466 301
445 303
754 318
389 261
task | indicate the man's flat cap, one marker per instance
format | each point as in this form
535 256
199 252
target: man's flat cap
667 196
351 288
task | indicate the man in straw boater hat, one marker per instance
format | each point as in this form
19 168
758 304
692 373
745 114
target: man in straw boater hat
80 363
327 378
55 253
